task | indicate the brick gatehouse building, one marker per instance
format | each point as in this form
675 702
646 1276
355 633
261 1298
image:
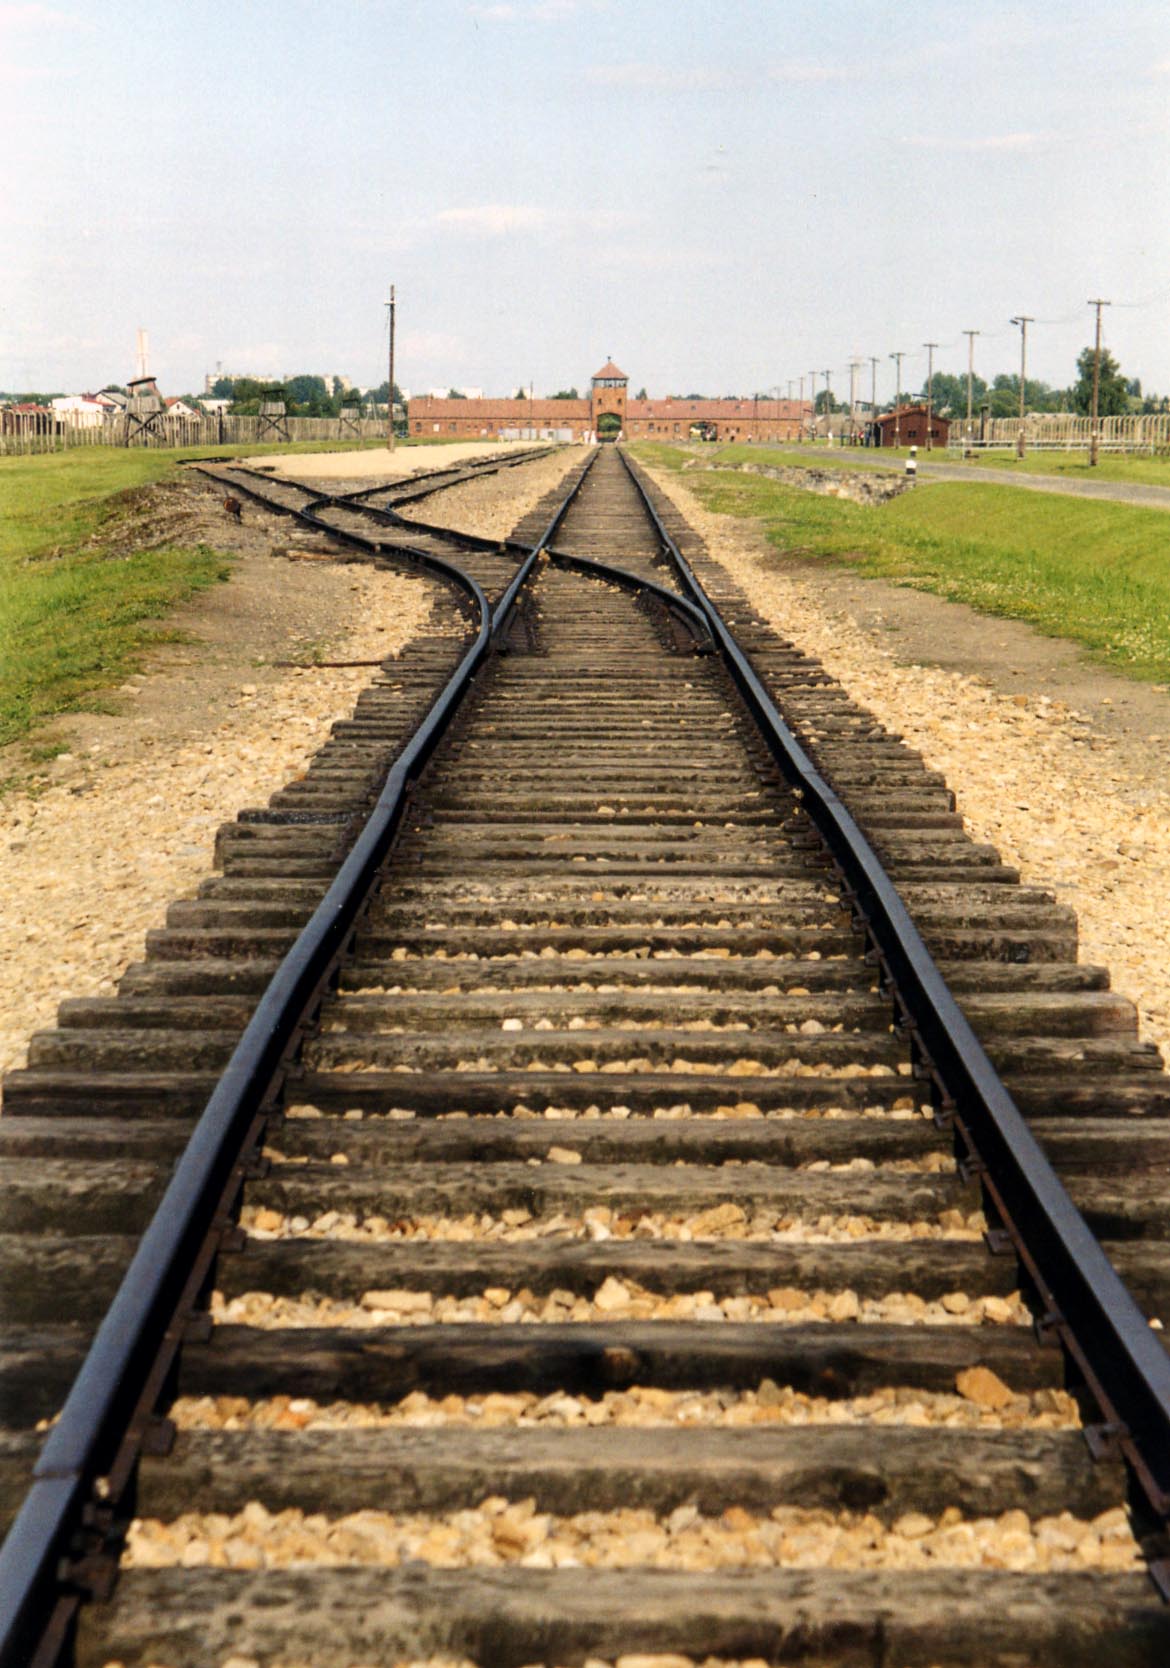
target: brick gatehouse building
609 412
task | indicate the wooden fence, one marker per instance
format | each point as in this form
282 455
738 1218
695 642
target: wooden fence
1061 431
30 432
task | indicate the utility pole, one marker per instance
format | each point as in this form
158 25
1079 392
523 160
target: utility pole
898 357
390 391
854 367
828 410
873 397
1096 382
930 347
800 421
1023 320
812 399
970 335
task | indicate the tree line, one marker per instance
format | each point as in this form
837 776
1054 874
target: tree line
1118 395
303 395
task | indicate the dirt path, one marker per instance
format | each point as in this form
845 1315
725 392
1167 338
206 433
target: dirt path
377 464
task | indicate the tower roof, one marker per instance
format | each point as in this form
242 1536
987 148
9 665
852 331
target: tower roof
608 370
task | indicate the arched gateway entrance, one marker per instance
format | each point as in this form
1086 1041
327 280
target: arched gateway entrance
608 402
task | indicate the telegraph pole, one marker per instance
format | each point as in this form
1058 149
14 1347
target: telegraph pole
970 335
812 396
828 411
898 357
390 392
854 367
873 396
1096 382
930 347
1023 320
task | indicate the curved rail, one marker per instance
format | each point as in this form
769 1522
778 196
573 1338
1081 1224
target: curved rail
89 1459
88 1463
692 616
411 488
1083 1298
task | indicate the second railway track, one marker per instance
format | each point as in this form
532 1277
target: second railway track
600 1277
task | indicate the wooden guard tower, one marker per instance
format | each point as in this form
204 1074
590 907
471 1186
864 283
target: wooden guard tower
145 410
273 424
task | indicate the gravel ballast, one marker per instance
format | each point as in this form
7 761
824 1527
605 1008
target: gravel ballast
88 865
1074 803
119 828
499 1532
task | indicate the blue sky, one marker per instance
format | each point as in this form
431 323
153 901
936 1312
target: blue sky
723 196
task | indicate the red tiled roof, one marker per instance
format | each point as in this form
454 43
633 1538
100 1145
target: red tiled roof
609 369
549 413
911 411
705 410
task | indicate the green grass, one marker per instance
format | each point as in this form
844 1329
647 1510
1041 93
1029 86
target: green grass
1110 466
1072 465
1097 573
77 609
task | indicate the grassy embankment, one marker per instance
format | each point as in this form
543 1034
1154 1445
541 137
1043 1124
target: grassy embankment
1126 468
1092 571
76 610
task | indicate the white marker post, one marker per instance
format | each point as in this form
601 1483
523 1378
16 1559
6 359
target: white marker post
912 465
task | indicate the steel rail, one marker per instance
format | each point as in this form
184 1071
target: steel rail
88 1464
688 612
1084 1301
413 487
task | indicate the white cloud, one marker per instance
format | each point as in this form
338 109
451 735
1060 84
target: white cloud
505 219
33 16
434 345
533 11
806 70
492 219
985 142
656 78
657 257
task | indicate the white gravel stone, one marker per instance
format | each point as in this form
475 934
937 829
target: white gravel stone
600 1222
498 1532
614 1299
646 1406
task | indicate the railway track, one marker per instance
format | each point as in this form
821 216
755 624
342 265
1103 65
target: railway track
584 1267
